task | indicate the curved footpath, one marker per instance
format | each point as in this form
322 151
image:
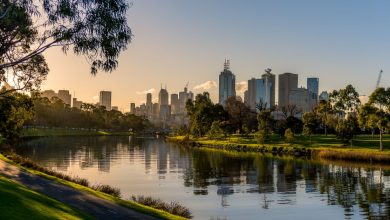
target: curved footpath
95 206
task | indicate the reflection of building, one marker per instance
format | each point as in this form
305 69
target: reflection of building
287 82
227 83
105 99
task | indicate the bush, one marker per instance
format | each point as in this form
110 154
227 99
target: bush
289 135
172 207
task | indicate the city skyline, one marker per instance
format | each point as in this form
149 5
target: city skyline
311 44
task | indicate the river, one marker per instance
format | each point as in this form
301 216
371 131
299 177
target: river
216 184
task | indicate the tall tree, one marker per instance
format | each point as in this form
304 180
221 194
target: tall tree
380 98
310 124
324 111
345 100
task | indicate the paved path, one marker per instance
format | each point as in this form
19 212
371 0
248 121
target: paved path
95 206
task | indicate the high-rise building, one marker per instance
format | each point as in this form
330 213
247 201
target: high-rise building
132 108
287 82
227 84
65 96
175 104
149 105
300 98
183 97
105 99
49 94
164 110
269 79
324 96
76 103
312 88
259 91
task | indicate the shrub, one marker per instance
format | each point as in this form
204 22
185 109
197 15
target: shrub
172 207
289 135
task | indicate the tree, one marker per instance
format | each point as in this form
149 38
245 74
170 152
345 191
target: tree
380 98
265 125
97 30
202 113
216 131
323 111
290 111
345 100
345 129
238 113
15 110
310 124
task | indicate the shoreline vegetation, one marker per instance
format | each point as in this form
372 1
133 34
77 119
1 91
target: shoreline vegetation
364 149
48 132
158 208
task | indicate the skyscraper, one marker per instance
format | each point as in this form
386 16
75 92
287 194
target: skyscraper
259 91
269 79
183 97
65 96
105 99
163 104
312 88
76 103
287 82
132 108
175 105
149 105
227 83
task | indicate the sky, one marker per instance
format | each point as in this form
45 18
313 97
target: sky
180 41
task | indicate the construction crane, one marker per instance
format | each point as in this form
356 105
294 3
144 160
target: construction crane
379 79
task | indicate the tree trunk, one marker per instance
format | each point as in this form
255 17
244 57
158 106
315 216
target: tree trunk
326 131
372 133
380 140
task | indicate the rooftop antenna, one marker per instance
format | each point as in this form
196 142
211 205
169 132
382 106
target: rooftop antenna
226 65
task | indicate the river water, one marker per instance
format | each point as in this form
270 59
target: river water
215 184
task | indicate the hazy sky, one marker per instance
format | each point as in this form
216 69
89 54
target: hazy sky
180 41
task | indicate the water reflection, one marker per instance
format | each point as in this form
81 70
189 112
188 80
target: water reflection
234 185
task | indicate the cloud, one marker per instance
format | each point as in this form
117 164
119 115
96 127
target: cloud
241 87
95 97
206 85
152 90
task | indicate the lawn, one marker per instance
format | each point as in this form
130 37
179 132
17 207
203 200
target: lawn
19 202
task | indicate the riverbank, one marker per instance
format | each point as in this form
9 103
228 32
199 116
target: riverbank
47 132
75 193
19 202
364 148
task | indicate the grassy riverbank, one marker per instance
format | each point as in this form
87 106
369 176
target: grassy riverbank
19 202
126 203
45 132
363 149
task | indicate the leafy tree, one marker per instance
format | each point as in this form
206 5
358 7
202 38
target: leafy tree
97 30
295 124
15 109
345 100
380 102
346 128
310 124
290 111
238 113
202 113
324 112
216 130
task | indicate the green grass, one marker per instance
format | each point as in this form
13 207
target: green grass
19 202
44 132
364 147
126 203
